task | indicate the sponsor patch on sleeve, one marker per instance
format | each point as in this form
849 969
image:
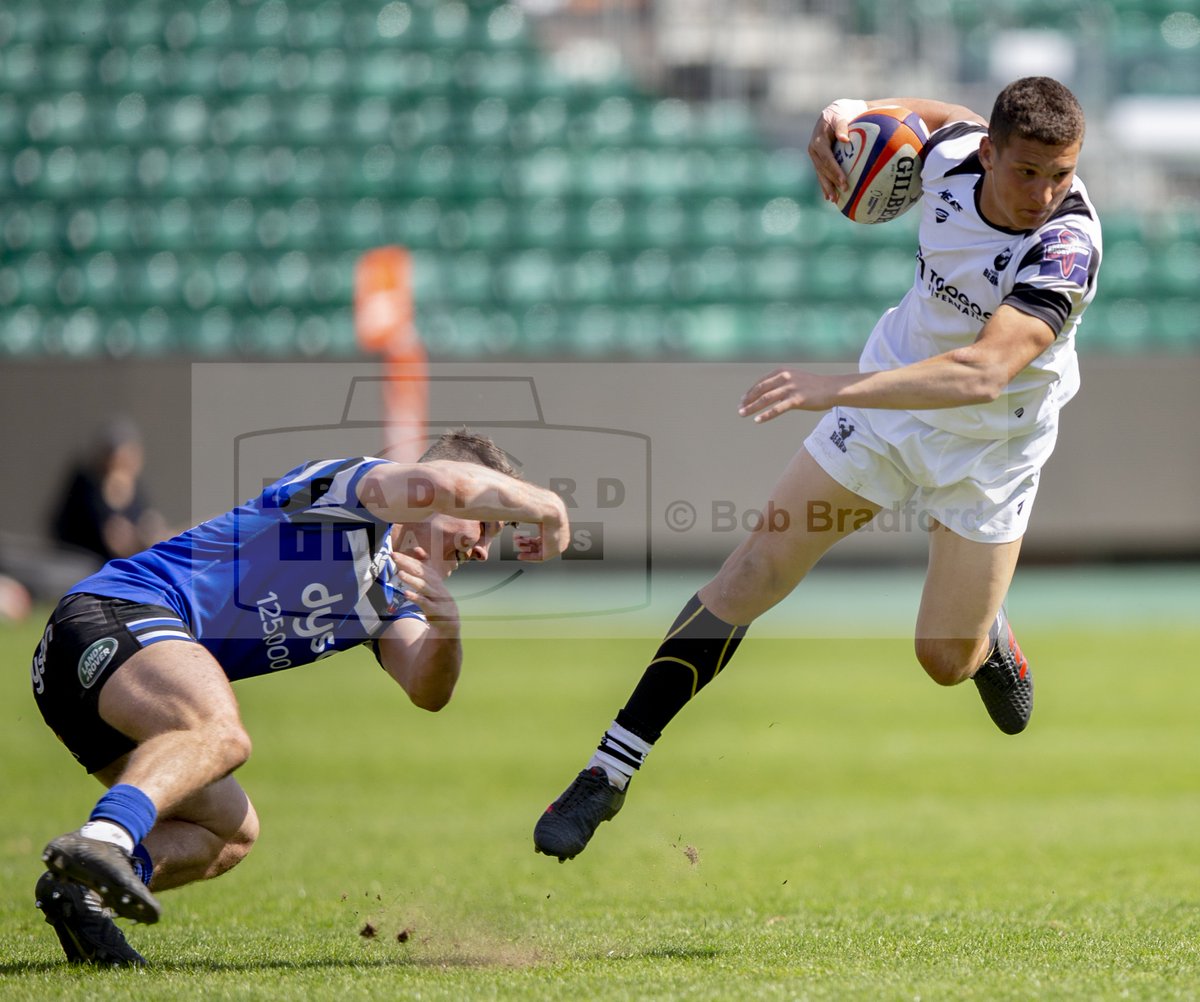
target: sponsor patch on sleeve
1066 255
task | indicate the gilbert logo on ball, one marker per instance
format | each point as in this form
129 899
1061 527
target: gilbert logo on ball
883 164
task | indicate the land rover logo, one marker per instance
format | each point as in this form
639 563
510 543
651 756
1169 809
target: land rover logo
94 659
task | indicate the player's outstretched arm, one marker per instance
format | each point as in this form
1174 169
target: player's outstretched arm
976 374
834 121
398 492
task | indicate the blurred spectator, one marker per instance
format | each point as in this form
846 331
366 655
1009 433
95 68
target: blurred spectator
15 601
104 508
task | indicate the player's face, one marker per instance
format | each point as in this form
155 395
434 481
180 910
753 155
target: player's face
1026 181
454 541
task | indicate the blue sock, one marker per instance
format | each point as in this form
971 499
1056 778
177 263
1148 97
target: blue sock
128 807
143 866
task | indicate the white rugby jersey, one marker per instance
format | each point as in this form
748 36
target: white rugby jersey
967 267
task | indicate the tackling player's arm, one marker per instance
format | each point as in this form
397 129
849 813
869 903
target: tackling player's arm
835 118
425 658
978 373
398 492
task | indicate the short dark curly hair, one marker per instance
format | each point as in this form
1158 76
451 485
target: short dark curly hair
1037 108
466 446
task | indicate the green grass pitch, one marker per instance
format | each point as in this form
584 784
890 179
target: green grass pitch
823 823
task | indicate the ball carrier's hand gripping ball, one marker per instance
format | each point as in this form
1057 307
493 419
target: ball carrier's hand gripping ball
883 164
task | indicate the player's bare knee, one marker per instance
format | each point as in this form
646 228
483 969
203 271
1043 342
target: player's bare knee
237 844
752 581
947 662
233 745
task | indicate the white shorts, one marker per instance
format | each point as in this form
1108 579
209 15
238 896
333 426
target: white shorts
981 489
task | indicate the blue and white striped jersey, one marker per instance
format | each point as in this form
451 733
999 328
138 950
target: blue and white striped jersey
298 573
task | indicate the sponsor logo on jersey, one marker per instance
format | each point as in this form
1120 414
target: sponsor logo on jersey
1066 255
939 288
941 215
948 197
93 661
999 262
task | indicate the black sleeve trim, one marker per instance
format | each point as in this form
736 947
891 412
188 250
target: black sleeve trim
955 130
1072 205
1048 305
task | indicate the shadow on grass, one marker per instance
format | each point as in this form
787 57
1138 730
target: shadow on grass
443 960
510 959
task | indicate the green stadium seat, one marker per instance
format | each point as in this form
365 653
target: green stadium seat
728 124
1126 267
835 274
486 122
648 277
315 118
29 227
231 273
661 221
659 172
666 122
471 279
603 223
778 273
488 222
717 220
414 223
481 172
293 272
885 274
610 122
600 172
1175 326
543 222
68 67
435 171
785 171
26 22
327 71
528 277
542 123
21 331
85 19
38 274
212 334
20 69
80 334
733 170
714 274
1176 268
506 27
1122 326
588 278
102 275
547 171
12 121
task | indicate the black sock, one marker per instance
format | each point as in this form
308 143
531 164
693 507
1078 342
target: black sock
696 648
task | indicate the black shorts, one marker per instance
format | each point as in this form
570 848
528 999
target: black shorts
88 638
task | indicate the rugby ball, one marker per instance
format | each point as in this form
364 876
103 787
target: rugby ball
883 164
